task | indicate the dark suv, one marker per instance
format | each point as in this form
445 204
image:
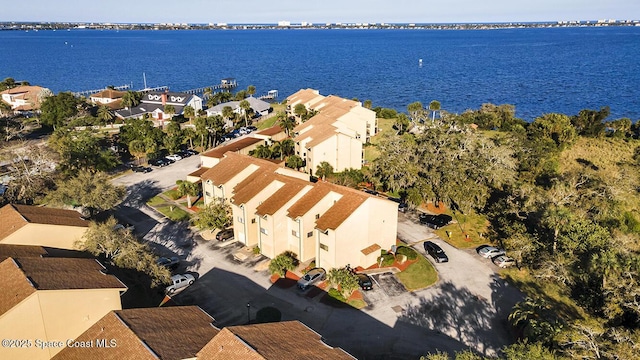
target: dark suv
225 235
435 221
435 251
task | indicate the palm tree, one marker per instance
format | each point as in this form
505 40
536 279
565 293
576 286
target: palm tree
227 112
287 147
201 130
189 113
105 114
189 134
300 110
137 148
294 162
262 152
215 126
251 90
169 110
285 122
434 106
245 106
189 189
129 100
323 169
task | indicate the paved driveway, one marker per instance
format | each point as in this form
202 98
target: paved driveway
467 308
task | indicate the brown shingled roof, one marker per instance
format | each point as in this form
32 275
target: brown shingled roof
12 221
370 249
287 340
282 196
28 93
199 172
227 168
128 345
274 130
176 332
252 185
303 96
14 286
18 251
308 200
340 211
226 346
236 146
16 216
67 273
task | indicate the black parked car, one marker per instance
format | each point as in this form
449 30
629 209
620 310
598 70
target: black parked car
142 169
435 221
225 235
435 251
365 282
170 263
161 162
402 206
191 152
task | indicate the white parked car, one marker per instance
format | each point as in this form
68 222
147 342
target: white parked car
489 252
179 282
174 157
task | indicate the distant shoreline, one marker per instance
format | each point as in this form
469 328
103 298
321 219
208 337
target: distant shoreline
36 26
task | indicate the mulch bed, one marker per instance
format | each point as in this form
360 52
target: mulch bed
396 264
290 279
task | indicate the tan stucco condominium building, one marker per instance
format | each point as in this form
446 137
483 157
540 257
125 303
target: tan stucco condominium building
335 134
278 209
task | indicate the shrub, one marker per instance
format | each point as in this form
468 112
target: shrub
283 262
387 260
410 253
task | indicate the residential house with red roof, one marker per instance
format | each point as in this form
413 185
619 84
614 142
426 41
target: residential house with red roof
24 98
41 226
108 97
52 300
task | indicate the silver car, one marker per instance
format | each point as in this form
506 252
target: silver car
503 261
179 282
313 277
489 252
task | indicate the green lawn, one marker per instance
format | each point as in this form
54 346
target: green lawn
471 224
418 275
155 201
174 213
267 123
357 303
172 194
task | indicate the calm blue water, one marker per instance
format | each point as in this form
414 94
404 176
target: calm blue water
538 70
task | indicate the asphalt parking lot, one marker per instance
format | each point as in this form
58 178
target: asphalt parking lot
466 308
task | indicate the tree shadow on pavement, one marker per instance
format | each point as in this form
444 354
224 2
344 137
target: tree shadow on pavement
460 314
233 299
139 193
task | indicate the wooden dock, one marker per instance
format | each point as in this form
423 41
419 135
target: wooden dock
271 95
91 92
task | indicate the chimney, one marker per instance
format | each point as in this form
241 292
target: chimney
164 99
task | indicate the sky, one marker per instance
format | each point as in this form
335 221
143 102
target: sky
316 11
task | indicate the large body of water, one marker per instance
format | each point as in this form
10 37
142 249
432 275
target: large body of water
538 70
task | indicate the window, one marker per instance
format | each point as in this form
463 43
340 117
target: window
310 234
240 220
324 247
253 221
317 216
264 231
294 233
208 193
